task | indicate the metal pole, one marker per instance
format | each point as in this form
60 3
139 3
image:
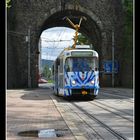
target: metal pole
39 56
112 57
29 69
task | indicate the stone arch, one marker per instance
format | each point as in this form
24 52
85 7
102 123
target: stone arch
81 9
40 14
94 20
100 39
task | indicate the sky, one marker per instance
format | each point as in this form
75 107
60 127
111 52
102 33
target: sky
54 40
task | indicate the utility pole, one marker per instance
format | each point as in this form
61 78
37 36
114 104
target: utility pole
40 56
29 57
113 57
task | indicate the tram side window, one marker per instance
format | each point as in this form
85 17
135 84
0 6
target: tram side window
56 65
68 65
61 65
53 69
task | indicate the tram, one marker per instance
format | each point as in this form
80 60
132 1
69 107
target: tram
76 69
76 72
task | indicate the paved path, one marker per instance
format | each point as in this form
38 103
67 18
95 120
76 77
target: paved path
32 110
39 109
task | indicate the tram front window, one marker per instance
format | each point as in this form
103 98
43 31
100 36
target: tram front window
77 64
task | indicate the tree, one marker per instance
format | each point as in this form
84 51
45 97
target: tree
8 3
47 72
128 30
82 40
127 51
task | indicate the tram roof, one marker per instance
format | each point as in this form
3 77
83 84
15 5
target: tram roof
80 48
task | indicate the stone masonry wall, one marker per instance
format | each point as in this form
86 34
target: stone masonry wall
34 13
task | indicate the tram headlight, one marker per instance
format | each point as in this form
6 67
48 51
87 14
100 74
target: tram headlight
92 82
73 82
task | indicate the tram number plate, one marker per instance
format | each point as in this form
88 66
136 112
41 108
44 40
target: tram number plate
84 92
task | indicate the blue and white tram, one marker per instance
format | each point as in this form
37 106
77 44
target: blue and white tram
76 72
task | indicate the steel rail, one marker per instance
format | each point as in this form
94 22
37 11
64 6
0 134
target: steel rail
112 111
115 133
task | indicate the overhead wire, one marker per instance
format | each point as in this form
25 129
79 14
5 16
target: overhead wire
55 44
59 37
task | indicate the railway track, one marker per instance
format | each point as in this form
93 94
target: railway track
113 132
81 120
121 92
118 94
115 96
113 110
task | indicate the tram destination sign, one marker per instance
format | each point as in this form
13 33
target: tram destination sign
80 53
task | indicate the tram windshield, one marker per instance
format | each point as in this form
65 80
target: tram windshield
77 64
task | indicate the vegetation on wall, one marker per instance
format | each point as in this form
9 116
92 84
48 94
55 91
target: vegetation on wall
128 29
8 3
127 63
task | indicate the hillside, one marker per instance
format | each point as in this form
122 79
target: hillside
46 62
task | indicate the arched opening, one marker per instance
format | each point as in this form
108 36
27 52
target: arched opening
88 28
51 43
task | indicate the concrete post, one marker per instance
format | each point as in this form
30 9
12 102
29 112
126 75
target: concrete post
112 57
29 59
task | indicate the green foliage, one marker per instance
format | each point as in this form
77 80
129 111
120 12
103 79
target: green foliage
47 72
8 3
82 40
128 29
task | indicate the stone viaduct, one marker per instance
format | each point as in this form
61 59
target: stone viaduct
103 17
